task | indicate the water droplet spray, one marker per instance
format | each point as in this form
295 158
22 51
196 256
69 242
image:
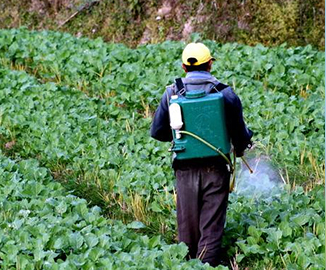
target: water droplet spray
264 178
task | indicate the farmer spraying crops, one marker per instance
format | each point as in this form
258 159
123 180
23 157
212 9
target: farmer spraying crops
205 117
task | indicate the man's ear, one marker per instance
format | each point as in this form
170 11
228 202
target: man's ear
184 68
210 63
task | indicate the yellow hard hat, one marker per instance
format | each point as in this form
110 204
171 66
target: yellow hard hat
195 54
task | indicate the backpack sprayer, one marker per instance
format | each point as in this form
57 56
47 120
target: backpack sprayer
203 127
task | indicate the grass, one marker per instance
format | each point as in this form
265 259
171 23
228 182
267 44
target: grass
131 21
138 206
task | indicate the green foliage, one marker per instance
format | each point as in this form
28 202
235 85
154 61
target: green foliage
274 27
311 22
83 109
283 85
283 229
44 227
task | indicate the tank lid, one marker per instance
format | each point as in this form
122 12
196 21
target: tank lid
195 94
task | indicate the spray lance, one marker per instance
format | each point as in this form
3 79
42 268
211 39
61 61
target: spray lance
176 124
232 166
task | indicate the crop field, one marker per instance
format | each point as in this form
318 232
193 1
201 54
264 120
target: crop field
83 186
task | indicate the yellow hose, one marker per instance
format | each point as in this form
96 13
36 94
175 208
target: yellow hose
232 182
209 145
232 168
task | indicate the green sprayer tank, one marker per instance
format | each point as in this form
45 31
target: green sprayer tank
202 115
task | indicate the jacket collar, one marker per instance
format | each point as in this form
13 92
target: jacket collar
199 75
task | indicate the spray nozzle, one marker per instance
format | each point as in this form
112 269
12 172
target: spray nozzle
246 163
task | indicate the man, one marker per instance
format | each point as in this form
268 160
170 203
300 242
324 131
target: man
202 183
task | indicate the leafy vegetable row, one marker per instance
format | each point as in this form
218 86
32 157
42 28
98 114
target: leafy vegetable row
44 227
282 89
265 230
82 108
279 229
81 140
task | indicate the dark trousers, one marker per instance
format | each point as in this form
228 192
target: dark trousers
202 197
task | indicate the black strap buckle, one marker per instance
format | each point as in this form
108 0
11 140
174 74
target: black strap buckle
181 90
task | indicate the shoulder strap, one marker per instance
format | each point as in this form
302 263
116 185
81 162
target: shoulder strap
181 90
169 93
218 87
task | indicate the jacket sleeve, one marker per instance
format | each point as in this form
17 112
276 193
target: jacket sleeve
160 129
239 133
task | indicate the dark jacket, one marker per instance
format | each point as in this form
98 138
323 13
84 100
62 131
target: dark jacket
239 134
